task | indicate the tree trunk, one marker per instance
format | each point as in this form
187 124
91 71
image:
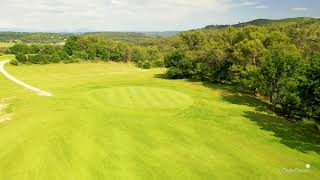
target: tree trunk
254 60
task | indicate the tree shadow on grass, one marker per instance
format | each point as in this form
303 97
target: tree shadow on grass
161 76
294 134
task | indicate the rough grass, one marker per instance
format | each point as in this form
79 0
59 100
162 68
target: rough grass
6 57
110 121
4 44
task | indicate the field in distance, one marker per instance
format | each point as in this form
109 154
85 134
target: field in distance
115 121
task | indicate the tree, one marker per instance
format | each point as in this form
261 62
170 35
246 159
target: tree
194 40
174 58
80 55
102 52
63 55
249 50
92 51
19 48
71 45
311 88
138 54
34 48
281 73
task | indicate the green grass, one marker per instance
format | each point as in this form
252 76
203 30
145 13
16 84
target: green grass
4 44
6 57
7 44
114 121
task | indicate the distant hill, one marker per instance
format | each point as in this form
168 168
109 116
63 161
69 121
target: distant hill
123 36
131 36
29 37
266 22
164 33
36 37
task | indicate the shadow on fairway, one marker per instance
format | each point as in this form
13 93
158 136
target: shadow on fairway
161 76
294 134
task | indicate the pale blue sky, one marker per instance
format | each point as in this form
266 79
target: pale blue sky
143 15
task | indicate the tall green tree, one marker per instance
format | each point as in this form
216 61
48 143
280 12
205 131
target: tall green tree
281 75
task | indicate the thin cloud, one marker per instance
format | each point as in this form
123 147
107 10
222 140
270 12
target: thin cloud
54 15
248 3
261 7
299 9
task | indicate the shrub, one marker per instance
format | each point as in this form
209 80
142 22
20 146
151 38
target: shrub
174 73
140 64
14 62
146 65
158 63
21 58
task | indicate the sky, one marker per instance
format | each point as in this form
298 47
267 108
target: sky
143 15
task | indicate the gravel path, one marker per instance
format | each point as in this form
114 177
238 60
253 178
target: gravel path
36 90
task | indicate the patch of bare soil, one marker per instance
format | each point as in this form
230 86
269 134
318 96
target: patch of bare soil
3 106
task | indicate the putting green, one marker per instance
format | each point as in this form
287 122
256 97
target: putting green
143 97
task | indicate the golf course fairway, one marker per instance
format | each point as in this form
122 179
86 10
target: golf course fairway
115 121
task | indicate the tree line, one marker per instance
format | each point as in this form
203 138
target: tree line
279 61
89 48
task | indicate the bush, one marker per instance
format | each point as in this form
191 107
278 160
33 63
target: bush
14 62
146 65
140 64
21 58
1 54
174 73
158 63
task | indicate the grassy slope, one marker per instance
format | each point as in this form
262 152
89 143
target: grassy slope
79 134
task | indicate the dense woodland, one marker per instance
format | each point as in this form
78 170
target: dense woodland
277 61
